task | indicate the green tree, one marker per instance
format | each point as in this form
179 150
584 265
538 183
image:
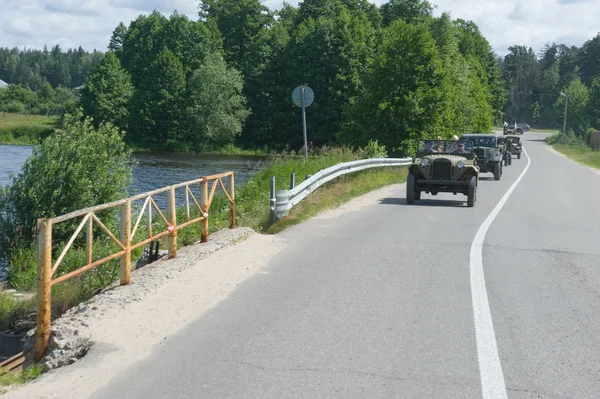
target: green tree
593 112
408 10
107 93
576 108
240 22
217 109
403 92
70 170
159 99
589 60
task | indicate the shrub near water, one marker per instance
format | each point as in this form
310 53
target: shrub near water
70 170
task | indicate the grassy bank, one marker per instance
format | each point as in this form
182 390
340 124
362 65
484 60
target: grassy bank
25 129
252 210
576 149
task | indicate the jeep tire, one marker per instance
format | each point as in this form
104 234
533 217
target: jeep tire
410 189
510 158
497 170
519 156
472 195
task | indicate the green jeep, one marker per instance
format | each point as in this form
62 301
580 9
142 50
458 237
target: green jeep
489 153
443 166
513 142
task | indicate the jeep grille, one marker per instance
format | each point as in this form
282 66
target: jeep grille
480 152
442 169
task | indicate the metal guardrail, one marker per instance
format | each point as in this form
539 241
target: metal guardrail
284 200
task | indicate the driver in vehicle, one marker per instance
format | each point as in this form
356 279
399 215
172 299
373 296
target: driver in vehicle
460 148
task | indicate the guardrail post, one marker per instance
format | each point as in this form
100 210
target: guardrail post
293 180
232 203
44 287
126 241
272 200
282 203
204 205
172 215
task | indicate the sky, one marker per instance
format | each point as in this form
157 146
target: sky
89 23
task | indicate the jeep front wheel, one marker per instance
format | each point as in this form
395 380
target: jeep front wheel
497 170
510 158
472 195
410 188
519 156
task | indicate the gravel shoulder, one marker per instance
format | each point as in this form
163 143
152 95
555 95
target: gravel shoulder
126 323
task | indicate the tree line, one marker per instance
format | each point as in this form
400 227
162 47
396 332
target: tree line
42 81
392 73
534 83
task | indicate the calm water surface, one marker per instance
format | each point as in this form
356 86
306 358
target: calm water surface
155 170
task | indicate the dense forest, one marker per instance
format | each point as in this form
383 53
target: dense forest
534 83
393 73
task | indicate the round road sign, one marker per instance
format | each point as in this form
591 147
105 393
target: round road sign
309 96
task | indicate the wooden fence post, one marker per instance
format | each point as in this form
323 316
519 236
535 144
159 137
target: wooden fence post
44 287
232 203
90 240
204 205
126 241
172 215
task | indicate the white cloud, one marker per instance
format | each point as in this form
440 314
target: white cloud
89 23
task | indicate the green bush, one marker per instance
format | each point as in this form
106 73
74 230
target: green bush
569 139
15 106
74 169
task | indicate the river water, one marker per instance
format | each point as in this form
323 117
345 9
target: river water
155 170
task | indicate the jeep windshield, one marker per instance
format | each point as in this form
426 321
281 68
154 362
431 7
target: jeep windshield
482 141
445 147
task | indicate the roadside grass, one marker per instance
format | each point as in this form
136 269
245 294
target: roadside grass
583 155
8 378
336 193
24 129
575 148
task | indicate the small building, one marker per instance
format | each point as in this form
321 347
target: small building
3 84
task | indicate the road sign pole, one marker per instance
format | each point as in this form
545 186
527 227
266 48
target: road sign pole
304 126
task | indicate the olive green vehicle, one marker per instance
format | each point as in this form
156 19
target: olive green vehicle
443 166
489 152
513 143
505 149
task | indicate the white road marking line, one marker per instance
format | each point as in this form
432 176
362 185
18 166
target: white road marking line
490 369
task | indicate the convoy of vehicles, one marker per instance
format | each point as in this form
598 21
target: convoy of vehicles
453 166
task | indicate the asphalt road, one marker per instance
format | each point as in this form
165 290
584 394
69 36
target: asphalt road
379 303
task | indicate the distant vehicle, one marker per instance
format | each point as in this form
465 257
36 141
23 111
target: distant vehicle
513 144
443 166
489 152
524 126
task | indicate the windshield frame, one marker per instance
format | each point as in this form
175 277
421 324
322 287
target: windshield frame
444 147
475 139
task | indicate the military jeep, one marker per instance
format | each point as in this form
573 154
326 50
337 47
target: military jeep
505 149
489 153
514 143
443 166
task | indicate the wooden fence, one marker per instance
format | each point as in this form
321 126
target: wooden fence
47 269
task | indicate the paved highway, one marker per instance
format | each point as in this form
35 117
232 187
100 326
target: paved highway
380 303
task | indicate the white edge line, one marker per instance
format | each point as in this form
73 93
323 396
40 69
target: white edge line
490 369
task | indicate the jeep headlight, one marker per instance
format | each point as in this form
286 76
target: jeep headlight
460 164
424 162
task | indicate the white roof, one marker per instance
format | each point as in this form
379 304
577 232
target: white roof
3 83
